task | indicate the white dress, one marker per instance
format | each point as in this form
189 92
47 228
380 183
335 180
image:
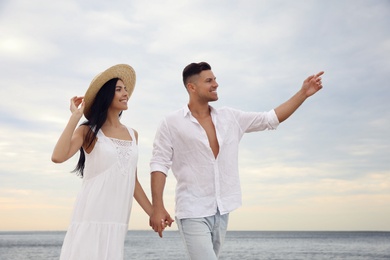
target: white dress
102 209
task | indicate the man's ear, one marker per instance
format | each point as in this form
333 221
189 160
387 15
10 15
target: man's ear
190 87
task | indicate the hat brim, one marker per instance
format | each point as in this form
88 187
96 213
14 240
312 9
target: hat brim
122 71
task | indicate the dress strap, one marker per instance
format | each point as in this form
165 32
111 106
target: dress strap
100 134
132 134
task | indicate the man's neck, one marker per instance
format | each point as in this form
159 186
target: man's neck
199 110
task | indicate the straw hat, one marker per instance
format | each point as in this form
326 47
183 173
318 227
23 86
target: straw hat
122 71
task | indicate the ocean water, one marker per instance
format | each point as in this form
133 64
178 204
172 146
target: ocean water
272 245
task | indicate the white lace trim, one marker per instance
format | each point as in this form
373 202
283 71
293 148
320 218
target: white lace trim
124 149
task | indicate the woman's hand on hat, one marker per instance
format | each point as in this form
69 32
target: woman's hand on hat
77 105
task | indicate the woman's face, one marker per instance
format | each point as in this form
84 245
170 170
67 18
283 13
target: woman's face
121 97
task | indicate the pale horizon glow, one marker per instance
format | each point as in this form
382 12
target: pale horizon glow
325 168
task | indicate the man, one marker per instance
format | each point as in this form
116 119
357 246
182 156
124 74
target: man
200 144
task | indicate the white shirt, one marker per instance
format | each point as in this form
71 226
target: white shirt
205 183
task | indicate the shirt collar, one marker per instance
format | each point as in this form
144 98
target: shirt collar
186 110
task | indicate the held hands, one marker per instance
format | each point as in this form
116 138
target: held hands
159 220
77 105
312 84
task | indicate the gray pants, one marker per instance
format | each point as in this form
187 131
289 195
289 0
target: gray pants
203 237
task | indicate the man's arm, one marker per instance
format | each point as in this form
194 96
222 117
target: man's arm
160 216
309 87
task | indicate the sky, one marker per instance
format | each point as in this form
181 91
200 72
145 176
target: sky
326 168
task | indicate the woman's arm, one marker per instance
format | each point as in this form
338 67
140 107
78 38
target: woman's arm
139 193
141 198
70 140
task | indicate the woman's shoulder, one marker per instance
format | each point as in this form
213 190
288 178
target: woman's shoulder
83 129
132 131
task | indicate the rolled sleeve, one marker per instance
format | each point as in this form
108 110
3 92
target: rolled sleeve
162 150
256 121
273 121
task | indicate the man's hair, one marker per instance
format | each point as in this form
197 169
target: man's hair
194 69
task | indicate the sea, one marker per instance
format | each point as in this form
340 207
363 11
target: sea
281 245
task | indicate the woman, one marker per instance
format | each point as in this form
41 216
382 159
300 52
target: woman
107 164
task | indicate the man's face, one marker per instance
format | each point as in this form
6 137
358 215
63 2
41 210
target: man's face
205 86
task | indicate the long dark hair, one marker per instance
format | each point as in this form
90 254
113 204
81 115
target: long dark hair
96 120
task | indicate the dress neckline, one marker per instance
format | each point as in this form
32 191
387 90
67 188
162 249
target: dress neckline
113 138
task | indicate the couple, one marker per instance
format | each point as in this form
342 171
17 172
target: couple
198 142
